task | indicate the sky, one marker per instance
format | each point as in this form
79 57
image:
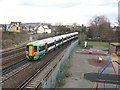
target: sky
57 11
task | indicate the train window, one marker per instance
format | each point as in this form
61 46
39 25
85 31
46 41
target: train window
35 48
27 48
58 41
17 28
72 36
50 44
41 48
62 39
65 38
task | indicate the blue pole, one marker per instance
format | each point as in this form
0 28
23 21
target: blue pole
97 86
104 65
104 69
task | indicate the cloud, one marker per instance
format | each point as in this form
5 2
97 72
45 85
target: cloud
52 11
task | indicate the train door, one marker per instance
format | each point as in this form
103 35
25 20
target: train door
62 40
31 48
55 43
46 47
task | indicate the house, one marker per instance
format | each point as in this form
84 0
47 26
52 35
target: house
53 28
115 28
42 29
15 27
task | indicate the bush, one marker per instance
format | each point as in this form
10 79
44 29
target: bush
64 73
23 32
11 39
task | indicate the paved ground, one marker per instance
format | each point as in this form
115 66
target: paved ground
85 66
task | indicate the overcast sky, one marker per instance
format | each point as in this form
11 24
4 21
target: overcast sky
52 11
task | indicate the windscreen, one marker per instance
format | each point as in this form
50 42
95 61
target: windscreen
27 48
35 48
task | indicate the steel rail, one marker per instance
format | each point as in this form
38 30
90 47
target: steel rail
23 84
13 66
14 51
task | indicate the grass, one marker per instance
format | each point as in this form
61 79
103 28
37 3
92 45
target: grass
96 43
64 73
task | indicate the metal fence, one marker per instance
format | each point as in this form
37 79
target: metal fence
50 83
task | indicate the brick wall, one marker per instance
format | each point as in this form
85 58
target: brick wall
112 49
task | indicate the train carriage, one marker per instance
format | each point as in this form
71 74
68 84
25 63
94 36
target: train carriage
35 49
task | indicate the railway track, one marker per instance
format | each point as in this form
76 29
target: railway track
13 66
7 61
16 50
26 71
12 51
34 80
16 71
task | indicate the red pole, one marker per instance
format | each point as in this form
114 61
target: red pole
115 72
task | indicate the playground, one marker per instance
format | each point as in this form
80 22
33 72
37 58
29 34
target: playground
93 68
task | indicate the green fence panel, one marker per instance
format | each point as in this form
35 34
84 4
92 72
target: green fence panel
50 83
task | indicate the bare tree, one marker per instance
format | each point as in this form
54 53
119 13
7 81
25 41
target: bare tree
100 27
30 27
61 29
4 27
75 24
81 38
36 29
117 32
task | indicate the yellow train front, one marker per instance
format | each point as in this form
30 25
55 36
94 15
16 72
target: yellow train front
32 51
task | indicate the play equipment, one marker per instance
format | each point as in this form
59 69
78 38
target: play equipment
91 51
114 58
100 58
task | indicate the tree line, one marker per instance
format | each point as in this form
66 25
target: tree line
100 28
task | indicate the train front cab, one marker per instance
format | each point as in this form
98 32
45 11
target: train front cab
31 52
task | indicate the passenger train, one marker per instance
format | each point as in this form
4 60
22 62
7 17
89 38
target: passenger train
35 49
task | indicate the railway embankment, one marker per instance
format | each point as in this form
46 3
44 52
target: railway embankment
12 41
29 71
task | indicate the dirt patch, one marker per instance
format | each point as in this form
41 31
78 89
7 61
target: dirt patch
96 63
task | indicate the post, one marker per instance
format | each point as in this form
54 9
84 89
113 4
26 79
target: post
86 44
30 38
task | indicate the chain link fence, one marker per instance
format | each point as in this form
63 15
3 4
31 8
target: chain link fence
51 81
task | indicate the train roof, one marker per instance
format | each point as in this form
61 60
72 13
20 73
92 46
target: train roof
52 39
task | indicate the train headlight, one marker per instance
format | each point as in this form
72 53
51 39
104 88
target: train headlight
26 52
35 53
